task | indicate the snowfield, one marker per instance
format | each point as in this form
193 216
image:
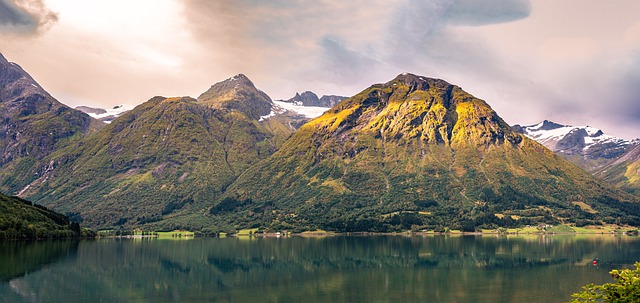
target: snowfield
307 111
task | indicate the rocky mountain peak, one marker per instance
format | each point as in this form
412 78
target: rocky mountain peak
238 93
548 125
307 98
309 94
34 123
415 82
419 109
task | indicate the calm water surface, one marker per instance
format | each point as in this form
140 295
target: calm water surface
395 269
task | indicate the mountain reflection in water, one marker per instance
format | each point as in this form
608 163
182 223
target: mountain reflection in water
485 268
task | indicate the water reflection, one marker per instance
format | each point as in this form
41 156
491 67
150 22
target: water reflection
18 258
337 269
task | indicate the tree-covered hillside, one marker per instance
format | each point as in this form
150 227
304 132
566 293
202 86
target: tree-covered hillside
20 219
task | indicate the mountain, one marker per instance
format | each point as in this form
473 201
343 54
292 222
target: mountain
161 163
311 99
34 124
238 93
584 146
104 115
20 219
623 172
415 153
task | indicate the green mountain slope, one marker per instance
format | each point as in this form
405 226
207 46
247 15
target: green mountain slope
20 219
33 125
162 163
415 152
624 172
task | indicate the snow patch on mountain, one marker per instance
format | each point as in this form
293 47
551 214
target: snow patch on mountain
106 115
549 134
271 114
307 111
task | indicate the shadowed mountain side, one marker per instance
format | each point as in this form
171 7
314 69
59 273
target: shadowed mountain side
33 124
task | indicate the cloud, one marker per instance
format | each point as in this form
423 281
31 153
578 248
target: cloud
341 45
624 101
342 64
25 17
529 60
476 13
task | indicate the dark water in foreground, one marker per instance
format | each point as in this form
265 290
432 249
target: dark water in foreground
395 269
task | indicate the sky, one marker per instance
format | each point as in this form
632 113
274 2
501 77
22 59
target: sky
574 62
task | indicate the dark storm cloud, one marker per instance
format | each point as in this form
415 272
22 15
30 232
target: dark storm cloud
420 27
10 14
474 12
21 17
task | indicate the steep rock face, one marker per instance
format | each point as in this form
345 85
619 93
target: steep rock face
33 125
584 146
161 163
623 172
414 151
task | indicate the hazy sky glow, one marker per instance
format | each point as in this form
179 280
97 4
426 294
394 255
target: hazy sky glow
572 61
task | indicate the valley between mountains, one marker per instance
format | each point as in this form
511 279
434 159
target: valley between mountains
412 153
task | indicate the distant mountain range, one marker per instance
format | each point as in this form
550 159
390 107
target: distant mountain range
612 159
412 153
585 146
311 99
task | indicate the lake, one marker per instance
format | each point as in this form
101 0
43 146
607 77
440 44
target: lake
432 268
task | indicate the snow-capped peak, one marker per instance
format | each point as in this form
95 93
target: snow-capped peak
544 134
572 139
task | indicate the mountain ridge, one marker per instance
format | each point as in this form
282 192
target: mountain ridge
412 153
363 165
162 161
34 124
309 98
